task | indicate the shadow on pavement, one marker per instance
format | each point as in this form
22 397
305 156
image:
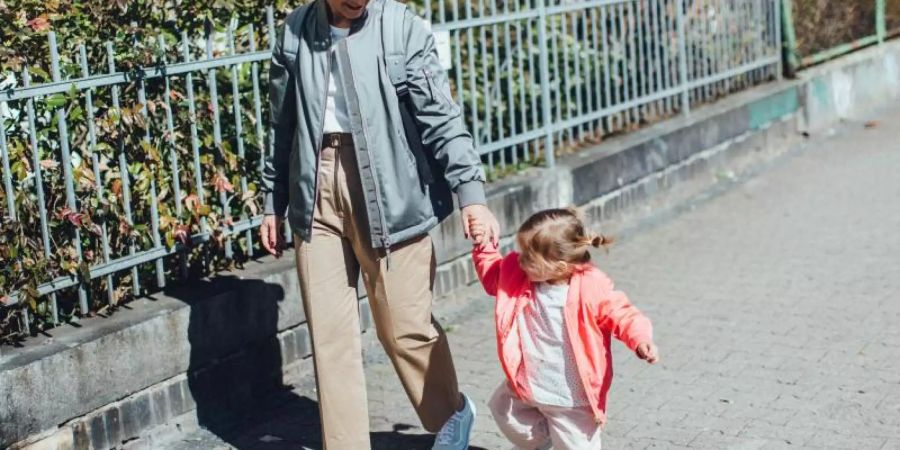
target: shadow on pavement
292 422
241 397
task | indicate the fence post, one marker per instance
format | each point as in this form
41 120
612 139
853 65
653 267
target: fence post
7 174
789 38
66 159
682 60
545 84
880 20
779 38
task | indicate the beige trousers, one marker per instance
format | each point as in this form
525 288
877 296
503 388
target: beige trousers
531 427
400 299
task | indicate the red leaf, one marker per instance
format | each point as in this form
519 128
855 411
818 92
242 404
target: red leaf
124 228
222 184
63 213
183 235
39 23
192 202
75 219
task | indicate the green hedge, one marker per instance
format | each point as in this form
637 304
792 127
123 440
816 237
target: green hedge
133 28
824 24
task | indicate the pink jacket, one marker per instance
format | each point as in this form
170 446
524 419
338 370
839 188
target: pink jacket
593 312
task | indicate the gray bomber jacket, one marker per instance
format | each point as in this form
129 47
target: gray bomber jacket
397 206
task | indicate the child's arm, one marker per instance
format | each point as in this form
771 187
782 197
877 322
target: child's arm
487 264
627 323
486 257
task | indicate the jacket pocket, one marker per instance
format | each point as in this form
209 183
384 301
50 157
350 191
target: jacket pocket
393 105
436 90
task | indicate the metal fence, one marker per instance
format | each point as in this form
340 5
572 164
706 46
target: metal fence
545 75
851 24
114 178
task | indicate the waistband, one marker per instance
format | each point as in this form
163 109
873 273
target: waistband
337 140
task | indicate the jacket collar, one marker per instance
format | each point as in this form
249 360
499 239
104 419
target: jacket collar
323 28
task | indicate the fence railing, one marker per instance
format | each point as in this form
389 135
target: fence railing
815 33
114 178
604 66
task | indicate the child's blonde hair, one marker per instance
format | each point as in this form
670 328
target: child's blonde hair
553 241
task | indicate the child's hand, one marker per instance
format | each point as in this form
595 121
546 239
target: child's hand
476 229
648 352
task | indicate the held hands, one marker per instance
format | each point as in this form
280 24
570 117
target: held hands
477 230
648 352
480 225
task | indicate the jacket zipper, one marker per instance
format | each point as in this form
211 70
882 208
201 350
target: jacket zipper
320 137
385 236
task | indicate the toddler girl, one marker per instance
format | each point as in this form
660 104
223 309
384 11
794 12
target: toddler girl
555 313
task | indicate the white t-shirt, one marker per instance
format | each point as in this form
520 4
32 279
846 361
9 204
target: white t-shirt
336 118
549 359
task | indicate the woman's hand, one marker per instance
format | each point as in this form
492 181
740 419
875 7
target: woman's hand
482 216
270 233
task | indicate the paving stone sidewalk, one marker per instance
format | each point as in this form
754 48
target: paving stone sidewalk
776 304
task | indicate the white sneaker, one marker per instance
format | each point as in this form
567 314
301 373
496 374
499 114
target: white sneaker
456 432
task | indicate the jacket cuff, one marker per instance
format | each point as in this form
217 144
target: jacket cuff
638 339
471 193
275 204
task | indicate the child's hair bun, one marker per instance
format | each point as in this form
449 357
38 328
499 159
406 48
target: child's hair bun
601 241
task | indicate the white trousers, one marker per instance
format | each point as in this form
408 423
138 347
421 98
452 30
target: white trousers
530 427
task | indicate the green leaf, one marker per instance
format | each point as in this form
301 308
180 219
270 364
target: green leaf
56 100
39 72
69 267
143 183
84 270
19 169
76 114
115 115
151 150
